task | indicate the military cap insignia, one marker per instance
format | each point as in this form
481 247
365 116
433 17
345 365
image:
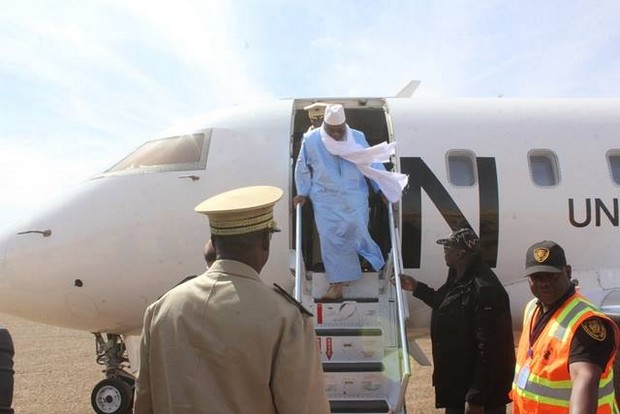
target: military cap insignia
541 254
595 328
291 299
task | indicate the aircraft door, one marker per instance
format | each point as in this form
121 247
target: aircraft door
370 117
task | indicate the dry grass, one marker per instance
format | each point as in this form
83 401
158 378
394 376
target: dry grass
55 368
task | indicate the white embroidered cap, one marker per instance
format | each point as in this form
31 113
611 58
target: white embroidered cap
334 115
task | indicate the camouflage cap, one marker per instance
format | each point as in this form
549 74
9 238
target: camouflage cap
464 238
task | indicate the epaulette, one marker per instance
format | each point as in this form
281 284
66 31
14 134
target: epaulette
291 299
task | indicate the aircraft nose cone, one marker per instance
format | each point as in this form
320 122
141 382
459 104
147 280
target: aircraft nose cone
5 241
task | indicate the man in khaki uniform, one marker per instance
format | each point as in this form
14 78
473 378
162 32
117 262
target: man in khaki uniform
224 342
315 113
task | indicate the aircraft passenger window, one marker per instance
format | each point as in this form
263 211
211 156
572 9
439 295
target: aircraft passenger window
181 153
614 165
544 168
461 169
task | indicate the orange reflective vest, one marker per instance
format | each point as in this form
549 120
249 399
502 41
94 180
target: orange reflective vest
542 381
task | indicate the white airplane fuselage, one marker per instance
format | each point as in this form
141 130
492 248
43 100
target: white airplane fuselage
122 238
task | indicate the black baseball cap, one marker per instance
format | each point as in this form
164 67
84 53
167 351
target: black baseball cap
545 256
464 239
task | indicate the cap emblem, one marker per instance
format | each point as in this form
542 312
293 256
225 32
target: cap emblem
541 254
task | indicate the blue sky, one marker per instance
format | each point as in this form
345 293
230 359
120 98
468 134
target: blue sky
83 82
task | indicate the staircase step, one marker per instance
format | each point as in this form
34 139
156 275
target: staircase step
361 385
352 367
348 332
359 406
347 314
366 287
351 345
341 300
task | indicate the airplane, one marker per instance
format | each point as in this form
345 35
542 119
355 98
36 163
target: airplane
514 170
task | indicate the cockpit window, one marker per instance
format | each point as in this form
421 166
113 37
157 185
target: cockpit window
180 153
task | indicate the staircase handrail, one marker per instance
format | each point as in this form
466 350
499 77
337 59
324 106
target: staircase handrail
298 254
401 303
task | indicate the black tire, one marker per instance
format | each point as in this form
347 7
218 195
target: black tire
128 380
112 396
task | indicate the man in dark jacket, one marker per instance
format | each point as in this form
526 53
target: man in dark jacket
471 331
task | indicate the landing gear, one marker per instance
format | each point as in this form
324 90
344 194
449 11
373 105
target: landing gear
114 394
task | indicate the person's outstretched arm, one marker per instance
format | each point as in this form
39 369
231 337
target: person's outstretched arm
420 290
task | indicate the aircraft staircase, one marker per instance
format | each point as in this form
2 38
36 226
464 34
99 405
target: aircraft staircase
362 338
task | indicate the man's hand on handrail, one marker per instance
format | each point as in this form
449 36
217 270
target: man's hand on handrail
299 199
408 283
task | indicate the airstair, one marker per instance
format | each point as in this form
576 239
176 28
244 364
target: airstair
362 338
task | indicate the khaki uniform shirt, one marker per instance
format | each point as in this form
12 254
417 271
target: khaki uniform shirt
227 343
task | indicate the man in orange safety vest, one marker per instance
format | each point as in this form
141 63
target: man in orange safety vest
567 347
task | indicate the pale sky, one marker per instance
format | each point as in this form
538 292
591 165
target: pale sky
84 82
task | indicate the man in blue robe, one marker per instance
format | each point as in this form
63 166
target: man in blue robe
339 194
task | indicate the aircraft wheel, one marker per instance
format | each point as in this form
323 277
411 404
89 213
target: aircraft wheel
112 396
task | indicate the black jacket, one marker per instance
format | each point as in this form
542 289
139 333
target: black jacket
472 341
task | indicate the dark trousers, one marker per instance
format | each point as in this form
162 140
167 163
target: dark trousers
461 410
6 371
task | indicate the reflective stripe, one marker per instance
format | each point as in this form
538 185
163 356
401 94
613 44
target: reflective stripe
531 395
547 388
558 392
517 370
572 312
559 397
529 309
605 390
